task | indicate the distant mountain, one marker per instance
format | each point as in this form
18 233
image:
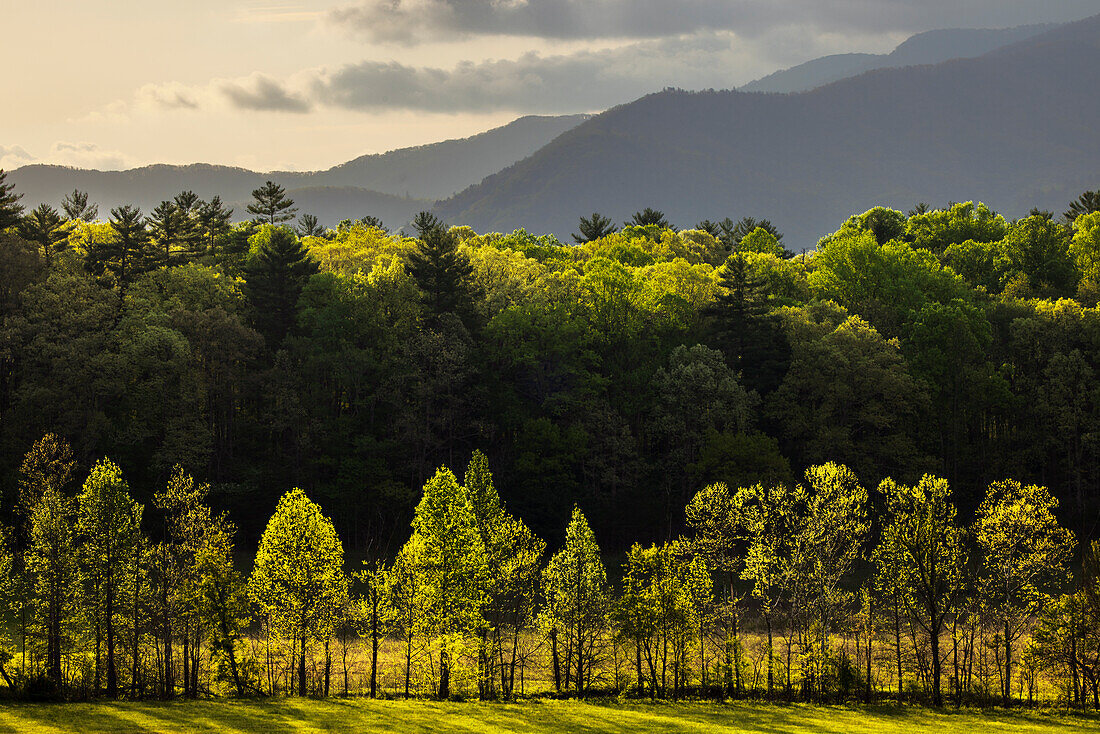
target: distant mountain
382 185
441 169
930 47
1015 128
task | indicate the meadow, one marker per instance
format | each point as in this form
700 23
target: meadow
363 715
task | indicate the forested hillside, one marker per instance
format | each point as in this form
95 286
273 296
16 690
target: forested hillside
393 185
1010 128
930 47
861 472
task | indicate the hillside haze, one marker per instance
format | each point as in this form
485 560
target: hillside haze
393 185
930 47
1013 128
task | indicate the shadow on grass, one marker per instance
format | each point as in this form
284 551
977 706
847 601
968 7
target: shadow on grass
240 716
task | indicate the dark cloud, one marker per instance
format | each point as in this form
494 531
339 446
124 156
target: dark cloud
264 94
413 21
588 80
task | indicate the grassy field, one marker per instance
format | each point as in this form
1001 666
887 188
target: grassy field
360 715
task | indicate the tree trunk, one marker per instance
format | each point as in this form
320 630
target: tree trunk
302 668
444 676
112 674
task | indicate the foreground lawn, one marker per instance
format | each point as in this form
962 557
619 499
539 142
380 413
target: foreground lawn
291 715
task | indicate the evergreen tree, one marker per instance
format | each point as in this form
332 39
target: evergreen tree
109 523
167 224
733 232
594 227
45 227
755 346
444 275
126 254
213 222
1086 203
10 208
190 229
574 615
271 205
76 207
308 226
274 277
298 578
714 229
647 217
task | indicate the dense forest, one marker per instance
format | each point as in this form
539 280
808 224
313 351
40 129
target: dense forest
842 457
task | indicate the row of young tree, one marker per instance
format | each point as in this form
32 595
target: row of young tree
819 590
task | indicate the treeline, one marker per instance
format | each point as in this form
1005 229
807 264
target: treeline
622 373
817 591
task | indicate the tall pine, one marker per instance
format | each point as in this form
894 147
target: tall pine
274 278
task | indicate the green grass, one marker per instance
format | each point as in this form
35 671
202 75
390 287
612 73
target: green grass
360 715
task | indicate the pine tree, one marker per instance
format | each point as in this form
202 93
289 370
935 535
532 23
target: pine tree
109 523
45 227
128 253
76 207
444 275
298 578
190 230
1086 203
166 225
271 205
309 226
212 221
647 217
10 208
739 318
595 227
274 278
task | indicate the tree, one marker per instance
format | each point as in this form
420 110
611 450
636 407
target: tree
449 558
771 516
213 221
51 553
1086 203
444 275
167 226
271 205
109 522
755 347
595 227
1024 554
1037 249
10 208
45 227
76 207
127 253
298 577
720 537
647 217
576 603
732 233
825 546
926 547
274 277
309 226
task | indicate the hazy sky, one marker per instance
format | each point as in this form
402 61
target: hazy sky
302 85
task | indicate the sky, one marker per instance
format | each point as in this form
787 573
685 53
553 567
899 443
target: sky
307 84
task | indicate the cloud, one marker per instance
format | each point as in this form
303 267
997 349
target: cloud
87 155
417 21
262 93
13 156
168 96
583 81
